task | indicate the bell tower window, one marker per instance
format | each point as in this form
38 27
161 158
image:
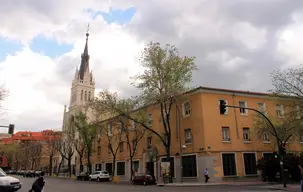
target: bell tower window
85 96
81 94
89 95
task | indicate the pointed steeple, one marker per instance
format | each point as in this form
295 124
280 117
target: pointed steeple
84 59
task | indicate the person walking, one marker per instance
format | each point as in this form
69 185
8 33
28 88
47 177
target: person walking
38 185
206 175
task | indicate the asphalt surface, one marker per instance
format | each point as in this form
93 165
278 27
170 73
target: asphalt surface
67 185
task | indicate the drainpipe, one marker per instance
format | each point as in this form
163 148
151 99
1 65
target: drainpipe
236 118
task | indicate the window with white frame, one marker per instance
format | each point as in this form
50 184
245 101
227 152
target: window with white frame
266 137
150 119
186 108
225 134
226 111
133 125
296 111
188 136
280 110
121 147
134 144
246 135
243 105
109 129
262 107
149 142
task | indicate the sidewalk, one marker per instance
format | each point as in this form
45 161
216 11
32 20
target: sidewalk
230 183
290 187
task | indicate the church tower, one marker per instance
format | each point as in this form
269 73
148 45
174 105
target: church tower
83 85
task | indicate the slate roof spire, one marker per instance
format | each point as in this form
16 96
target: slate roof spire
84 58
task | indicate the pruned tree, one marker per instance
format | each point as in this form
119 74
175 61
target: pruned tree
133 135
80 148
9 151
166 76
25 154
114 136
35 149
52 142
87 132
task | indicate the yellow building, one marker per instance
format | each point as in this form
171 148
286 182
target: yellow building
225 144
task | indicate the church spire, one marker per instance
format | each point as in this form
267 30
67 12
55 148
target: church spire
84 58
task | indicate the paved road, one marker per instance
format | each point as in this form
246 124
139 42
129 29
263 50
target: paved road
66 185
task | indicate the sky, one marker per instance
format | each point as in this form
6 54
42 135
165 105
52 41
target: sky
237 44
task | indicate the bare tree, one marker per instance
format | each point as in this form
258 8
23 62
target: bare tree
35 149
133 135
66 149
114 137
9 151
50 148
80 149
3 95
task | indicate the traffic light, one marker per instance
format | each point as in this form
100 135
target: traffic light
275 154
222 107
11 128
282 149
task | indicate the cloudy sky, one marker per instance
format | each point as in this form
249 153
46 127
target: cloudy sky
237 43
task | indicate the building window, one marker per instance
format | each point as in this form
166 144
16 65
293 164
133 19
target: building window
296 112
229 164
172 165
150 119
81 94
280 110
109 168
99 150
136 166
149 142
189 164
243 105
188 136
109 148
134 144
186 109
226 111
267 156
266 137
109 130
133 125
121 147
89 95
120 168
225 134
246 135
98 167
250 163
85 96
262 107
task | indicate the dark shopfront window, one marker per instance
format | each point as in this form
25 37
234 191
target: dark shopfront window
229 164
189 164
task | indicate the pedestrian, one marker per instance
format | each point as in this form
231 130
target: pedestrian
38 185
206 175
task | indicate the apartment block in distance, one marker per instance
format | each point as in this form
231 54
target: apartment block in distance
225 144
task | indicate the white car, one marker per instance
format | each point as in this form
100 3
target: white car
99 176
8 183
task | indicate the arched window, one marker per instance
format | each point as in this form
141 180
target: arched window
81 94
85 96
89 95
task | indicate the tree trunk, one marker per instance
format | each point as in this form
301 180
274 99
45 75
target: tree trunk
168 160
60 164
50 169
114 165
69 166
81 163
131 168
89 163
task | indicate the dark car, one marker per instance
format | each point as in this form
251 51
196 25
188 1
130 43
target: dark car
38 173
144 179
83 176
29 173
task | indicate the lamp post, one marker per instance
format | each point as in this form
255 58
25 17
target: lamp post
180 140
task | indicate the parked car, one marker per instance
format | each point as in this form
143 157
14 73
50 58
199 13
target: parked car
99 176
144 179
29 173
83 176
8 183
38 173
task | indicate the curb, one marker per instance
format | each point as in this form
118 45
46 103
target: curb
207 185
276 189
